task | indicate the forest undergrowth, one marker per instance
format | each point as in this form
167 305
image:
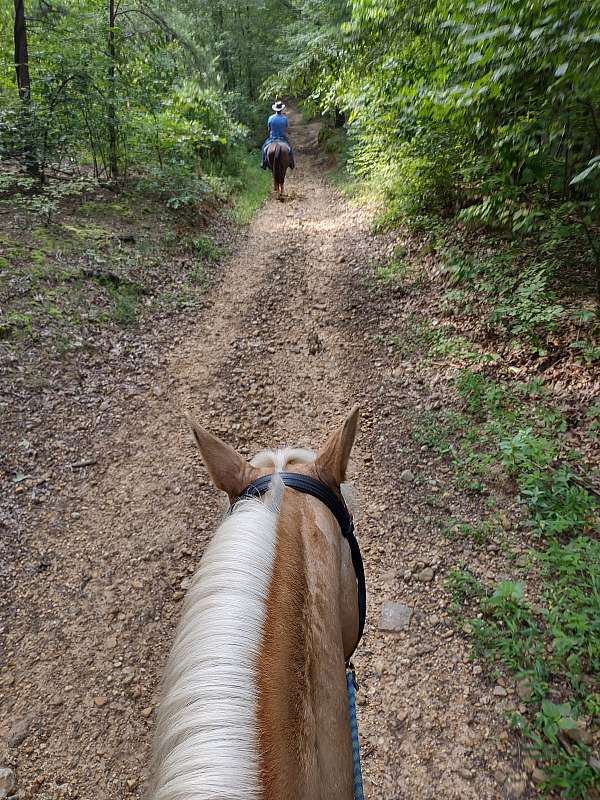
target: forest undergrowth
128 139
518 349
496 274
95 270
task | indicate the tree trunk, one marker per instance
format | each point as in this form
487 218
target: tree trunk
249 55
112 93
21 56
224 61
27 143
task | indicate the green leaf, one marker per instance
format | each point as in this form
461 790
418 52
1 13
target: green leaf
567 724
593 167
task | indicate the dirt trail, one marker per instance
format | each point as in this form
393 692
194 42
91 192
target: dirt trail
285 346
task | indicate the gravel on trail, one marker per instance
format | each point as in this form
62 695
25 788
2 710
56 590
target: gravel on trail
98 554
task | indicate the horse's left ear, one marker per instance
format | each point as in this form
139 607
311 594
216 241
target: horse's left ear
332 459
227 469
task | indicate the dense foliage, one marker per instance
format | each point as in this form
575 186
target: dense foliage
114 88
487 109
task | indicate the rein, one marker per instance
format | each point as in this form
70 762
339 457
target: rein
313 487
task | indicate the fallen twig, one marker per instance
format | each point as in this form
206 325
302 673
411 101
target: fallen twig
87 462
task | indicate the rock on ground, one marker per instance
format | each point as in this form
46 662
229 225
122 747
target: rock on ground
394 617
8 782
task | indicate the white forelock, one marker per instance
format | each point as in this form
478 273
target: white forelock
280 459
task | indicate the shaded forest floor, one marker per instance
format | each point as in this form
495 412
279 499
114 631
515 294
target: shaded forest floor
107 508
98 268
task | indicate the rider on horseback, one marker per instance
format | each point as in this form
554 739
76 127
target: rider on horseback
277 125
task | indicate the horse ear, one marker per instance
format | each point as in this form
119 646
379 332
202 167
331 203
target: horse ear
332 459
227 469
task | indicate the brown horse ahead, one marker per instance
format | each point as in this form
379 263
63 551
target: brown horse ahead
278 158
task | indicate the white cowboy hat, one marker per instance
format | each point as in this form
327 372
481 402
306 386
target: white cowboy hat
278 106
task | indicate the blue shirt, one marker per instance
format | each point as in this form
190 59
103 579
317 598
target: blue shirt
277 126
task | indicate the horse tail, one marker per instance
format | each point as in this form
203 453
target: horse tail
280 163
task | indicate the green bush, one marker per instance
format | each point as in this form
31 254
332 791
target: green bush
552 650
251 189
413 184
192 123
178 184
558 503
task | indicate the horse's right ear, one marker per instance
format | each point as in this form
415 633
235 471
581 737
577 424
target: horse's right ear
332 460
228 471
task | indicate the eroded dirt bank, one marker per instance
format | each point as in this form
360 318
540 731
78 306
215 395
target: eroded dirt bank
96 569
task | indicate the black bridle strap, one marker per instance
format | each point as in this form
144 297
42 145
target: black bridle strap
329 498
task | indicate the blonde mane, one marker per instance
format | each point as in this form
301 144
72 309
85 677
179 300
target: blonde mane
206 745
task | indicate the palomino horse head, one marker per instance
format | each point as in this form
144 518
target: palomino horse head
254 702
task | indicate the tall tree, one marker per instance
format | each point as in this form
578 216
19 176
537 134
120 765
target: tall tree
112 92
26 143
21 54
